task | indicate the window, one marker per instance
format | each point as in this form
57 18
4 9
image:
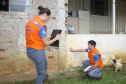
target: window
4 5
20 5
99 7
15 5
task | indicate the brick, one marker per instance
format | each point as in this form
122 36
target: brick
30 65
1 49
27 72
51 57
52 68
56 48
3 58
49 68
1 68
66 4
53 17
34 71
49 49
14 63
13 70
55 68
7 72
52 64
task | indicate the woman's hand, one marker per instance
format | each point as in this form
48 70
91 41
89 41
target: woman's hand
58 36
47 43
49 36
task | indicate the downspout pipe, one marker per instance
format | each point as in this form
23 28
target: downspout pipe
113 4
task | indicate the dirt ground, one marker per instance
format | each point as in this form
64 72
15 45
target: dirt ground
65 75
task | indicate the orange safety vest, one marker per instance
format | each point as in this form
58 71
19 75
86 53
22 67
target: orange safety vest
33 39
91 57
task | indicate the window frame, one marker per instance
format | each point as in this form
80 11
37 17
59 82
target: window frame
18 5
92 9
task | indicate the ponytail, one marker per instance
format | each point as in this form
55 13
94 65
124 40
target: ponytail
44 10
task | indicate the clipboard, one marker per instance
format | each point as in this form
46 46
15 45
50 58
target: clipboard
54 33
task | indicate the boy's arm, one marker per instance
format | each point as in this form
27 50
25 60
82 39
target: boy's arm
94 66
96 59
77 50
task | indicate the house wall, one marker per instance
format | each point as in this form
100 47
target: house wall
14 62
75 5
99 24
120 16
103 24
74 22
110 46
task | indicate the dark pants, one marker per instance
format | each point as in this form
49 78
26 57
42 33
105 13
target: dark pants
95 73
38 56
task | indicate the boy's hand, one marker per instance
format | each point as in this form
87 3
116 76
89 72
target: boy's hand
71 49
88 70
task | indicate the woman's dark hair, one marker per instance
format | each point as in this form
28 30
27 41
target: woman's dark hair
92 42
44 10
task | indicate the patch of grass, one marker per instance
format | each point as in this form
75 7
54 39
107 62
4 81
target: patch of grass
108 77
62 74
80 72
111 78
57 81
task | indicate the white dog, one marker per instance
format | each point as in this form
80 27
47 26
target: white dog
117 64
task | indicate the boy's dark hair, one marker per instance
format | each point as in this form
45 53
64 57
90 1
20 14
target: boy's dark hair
44 10
92 42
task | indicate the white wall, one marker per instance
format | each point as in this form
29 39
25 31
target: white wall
107 45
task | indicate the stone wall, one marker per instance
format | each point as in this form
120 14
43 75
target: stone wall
13 58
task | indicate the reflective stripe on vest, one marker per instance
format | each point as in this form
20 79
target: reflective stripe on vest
94 54
35 23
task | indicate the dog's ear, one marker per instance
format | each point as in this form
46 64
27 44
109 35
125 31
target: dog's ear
114 60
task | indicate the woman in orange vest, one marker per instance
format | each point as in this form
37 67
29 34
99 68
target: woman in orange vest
36 40
95 60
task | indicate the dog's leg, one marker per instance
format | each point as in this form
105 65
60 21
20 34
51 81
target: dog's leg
116 70
120 68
